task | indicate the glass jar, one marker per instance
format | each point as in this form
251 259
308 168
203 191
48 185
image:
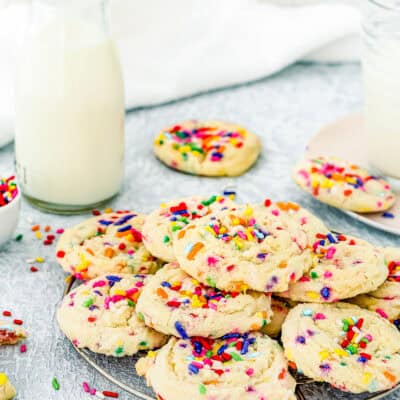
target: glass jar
381 74
69 143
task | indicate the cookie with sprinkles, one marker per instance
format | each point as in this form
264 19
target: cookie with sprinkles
176 304
250 246
163 224
11 333
108 243
7 391
352 349
235 367
100 315
386 299
343 266
210 148
344 185
280 309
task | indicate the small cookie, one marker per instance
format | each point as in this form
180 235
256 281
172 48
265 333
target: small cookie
109 243
161 225
343 267
210 148
11 333
260 247
343 185
7 391
386 299
354 350
235 367
176 304
100 315
280 309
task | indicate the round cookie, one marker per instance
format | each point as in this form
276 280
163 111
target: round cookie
11 333
161 225
280 309
343 185
343 266
108 243
100 315
354 350
260 247
174 303
210 148
386 299
235 367
7 391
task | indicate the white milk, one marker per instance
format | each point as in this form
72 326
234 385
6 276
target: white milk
382 106
69 115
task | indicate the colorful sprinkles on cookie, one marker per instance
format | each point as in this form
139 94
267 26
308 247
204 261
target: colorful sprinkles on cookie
385 300
342 267
106 308
260 247
216 354
164 223
175 303
182 214
207 148
8 190
352 349
236 366
110 242
344 185
244 229
207 140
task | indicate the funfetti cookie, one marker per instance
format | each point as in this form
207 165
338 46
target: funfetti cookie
235 367
11 333
343 266
7 391
280 309
176 304
353 349
259 247
100 315
344 185
211 148
161 226
386 299
108 243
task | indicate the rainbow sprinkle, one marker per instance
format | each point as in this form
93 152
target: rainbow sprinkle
8 190
215 355
203 141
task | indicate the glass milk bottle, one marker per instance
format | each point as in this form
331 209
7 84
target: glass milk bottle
381 69
69 143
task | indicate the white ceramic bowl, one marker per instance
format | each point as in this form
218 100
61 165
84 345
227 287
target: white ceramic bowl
9 216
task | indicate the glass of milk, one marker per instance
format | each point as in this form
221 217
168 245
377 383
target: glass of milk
381 70
69 143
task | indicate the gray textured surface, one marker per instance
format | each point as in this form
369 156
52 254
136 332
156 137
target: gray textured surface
284 110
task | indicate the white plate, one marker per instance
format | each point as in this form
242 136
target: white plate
346 139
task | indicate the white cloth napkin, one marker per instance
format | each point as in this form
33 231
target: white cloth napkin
171 49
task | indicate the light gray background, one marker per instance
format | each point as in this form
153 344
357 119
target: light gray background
285 110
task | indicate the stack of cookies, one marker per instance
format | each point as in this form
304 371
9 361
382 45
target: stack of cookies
227 278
